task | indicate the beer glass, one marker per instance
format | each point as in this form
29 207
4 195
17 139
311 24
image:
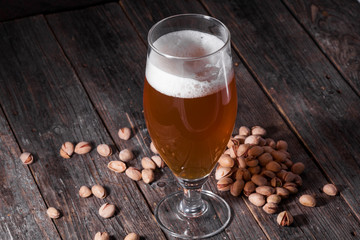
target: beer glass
190 106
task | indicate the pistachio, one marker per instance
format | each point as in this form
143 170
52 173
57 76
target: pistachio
117 166
252 140
240 138
241 162
66 150
53 212
98 191
82 148
262 142
270 208
273 198
265 158
132 236
330 189
147 175
273 166
153 148
255 151
249 188
232 142
298 180
126 155
251 162
307 200
226 161
224 184
222 172
101 236
243 174
107 210
257 130
259 180
281 174
158 161
291 187
285 219
124 133
276 182
288 177
26 158
278 156
283 166
244 131
257 199
104 150
288 163
298 168
232 151
268 174
246 175
237 187
147 163
282 192
265 190
84 192
281 145
133 173
271 143
242 150
254 170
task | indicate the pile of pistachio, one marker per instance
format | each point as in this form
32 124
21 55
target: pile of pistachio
261 168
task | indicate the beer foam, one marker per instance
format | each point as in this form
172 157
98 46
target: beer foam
185 78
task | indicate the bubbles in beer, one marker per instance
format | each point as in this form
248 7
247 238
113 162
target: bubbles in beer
187 78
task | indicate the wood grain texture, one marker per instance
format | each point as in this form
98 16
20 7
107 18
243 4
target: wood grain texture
22 209
111 67
292 70
46 105
20 8
254 109
335 26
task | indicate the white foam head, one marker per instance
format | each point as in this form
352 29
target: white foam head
189 78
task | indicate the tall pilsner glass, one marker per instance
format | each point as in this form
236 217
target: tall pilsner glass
190 108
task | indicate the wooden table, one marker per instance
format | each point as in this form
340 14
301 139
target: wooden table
78 75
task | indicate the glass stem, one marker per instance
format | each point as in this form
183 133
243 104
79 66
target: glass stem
192 204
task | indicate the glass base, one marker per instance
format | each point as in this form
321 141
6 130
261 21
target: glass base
212 219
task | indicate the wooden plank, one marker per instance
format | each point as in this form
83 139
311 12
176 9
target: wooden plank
22 209
46 106
292 71
117 56
254 109
21 8
335 26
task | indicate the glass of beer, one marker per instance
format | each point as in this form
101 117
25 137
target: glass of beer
190 107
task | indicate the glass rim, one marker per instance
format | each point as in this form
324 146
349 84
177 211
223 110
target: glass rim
188 58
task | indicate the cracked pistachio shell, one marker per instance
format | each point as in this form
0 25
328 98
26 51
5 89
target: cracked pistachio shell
98 191
26 158
107 210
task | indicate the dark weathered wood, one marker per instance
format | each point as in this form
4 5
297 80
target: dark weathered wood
335 26
118 96
22 209
46 105
254 109
21 8
322 110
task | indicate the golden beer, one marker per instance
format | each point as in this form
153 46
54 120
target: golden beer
190 133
